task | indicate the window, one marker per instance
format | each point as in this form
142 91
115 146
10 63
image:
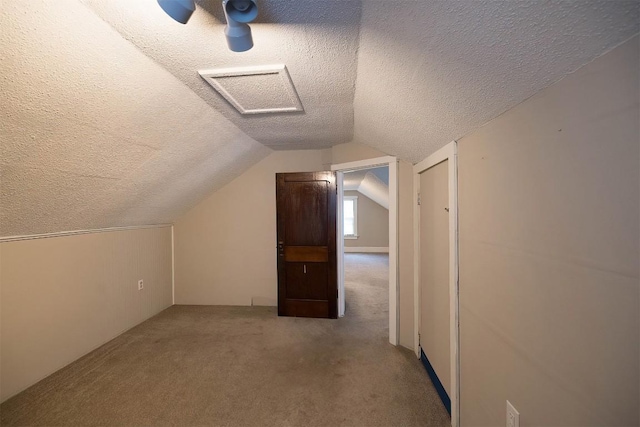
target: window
350 217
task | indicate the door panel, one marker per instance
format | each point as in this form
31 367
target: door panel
307 276
307 280
434 270
317 277
306 308
306 253
307 206
296 283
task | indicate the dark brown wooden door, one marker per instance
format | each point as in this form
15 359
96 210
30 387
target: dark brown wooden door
307 277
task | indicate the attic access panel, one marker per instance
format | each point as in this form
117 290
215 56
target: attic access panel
256 90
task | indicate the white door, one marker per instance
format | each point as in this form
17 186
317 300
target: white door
434 271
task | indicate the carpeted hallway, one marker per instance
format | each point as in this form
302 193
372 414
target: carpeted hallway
245 366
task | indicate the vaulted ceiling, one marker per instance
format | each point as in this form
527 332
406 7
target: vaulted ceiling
373 183
106 122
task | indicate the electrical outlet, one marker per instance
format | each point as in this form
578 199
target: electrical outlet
513 416
140 284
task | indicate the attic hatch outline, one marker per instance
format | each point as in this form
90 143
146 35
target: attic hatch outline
211 76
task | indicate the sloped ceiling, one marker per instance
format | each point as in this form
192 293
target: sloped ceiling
94 134
373 183
432 71
106 122
316 40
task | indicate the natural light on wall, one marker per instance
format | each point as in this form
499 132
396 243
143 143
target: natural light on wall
351 216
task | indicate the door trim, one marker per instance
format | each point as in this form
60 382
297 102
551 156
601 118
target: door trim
394 300
448 152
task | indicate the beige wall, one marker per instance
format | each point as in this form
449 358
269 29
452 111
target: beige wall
549 282
226 245
373 224
405 249
352 152
62 297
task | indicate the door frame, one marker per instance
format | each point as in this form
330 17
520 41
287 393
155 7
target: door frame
394 300
448 152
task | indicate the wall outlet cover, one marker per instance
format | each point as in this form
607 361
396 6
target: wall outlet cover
140 284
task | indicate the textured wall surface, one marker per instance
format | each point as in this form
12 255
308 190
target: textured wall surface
64 296
94 134
432 71
549 274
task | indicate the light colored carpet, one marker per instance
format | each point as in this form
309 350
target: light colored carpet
245 366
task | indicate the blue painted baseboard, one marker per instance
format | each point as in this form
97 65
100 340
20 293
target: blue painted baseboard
436 382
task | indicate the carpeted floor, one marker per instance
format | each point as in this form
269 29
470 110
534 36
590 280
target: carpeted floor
245 366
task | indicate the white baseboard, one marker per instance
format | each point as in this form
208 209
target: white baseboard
369 249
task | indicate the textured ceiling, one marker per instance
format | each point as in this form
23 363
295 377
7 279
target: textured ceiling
316 39
105 121
255 90
432 71
95 134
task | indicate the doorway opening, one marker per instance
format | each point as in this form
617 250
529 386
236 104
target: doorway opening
358 256
365 219
366 282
